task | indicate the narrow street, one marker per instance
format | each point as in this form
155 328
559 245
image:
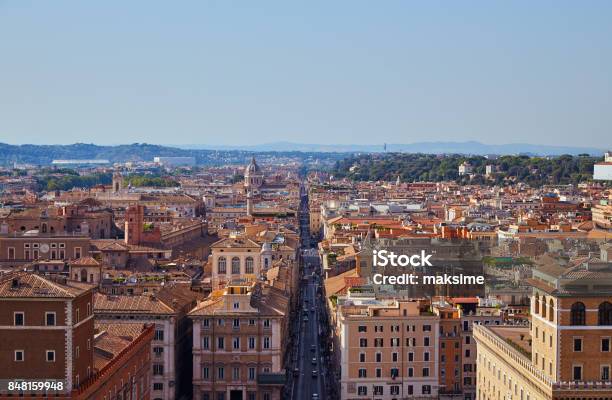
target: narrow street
309 368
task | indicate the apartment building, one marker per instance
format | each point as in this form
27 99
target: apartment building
239 343
566 353
20 248
166 310
48 334
388 348
46 329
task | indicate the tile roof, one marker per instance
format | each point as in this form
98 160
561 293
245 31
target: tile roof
28 285
142 304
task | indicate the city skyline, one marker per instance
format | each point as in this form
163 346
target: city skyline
345 73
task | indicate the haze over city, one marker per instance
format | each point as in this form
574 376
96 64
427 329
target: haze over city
246 73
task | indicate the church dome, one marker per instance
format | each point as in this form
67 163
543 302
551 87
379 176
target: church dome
252 168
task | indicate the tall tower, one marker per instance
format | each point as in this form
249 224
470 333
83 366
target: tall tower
249 204
117 181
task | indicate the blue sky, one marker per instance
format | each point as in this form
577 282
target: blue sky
346 72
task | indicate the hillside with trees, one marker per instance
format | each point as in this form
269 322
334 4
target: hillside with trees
534 171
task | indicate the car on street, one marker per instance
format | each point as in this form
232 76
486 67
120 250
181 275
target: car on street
305 319
314 360
315 373
313 348
296 372
315 396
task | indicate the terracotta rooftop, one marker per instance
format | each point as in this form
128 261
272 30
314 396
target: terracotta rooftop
29 285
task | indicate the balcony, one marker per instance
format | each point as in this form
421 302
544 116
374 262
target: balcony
272 378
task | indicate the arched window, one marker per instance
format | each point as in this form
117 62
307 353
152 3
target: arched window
221 265
605 313
249 265
551 310
578 314
543 306
236 266
537 304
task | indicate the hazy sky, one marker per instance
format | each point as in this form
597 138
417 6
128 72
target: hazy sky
250 72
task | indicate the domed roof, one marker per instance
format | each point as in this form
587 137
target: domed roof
252 168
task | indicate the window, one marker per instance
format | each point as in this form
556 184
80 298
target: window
378 390
236 266
159 335
378 342
206 342
251 322
362 328
394 372
378 357
411 356
410 372
77 352
50 318
544 306
551 310
158 386
362 390
19 355
266 342
605 344
158 369
236 343
394 357
378 372
363 373
425 371
605 313
221 265
266 323
362 357
577 344
426 341
205 373
363 342
251 342
249 269
220 373
577 373
235 373
426 328
220 343
426 356
236 321
605 372
426 389
578 314
394 390
158 351
206 323
19 318
410 389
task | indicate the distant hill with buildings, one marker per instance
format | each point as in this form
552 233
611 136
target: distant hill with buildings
45 154
534 171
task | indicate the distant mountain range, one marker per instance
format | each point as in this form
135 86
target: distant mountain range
470 147
215 155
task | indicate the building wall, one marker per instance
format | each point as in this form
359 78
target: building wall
411 334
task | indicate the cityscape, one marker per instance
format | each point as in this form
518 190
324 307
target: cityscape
164 279
273 200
